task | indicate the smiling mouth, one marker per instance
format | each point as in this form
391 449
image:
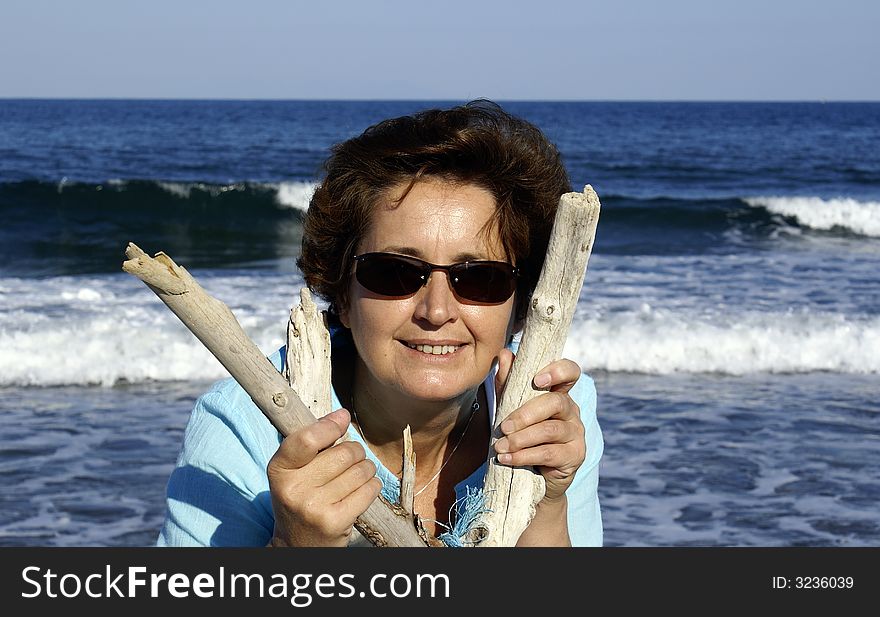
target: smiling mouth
435 350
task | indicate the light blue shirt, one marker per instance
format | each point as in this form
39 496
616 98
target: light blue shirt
218 493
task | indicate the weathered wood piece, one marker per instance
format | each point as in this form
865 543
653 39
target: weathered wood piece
512 494
307 365
211 321
408 475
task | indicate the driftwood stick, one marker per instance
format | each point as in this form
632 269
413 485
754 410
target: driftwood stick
211 321
307 362
512 493
307 367
408 475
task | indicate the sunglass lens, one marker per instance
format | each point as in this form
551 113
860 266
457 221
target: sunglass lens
389 275
483 282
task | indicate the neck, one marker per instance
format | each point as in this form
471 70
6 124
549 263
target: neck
381 416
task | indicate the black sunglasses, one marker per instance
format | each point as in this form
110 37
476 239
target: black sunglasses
390 274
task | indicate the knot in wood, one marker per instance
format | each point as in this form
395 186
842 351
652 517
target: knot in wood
280 399
543 308
476 535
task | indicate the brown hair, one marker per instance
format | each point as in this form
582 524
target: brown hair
476 143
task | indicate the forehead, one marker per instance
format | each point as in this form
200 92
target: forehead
435 217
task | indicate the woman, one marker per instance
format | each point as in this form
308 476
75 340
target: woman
426 237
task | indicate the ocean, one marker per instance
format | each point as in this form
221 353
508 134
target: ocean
730 314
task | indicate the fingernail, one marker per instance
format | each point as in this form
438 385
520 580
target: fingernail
505 458
506 427
501 445
542 380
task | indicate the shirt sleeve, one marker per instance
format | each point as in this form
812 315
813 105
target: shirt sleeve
584 513
218 493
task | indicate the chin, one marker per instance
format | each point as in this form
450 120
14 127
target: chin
439 388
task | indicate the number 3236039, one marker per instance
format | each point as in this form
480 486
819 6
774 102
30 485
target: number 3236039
813 582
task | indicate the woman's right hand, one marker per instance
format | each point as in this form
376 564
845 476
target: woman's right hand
318 488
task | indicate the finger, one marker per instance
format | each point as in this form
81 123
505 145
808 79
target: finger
561 458
331 463
300 447
505 361
330 518
546 432
357 502
558 376
558 405
349 480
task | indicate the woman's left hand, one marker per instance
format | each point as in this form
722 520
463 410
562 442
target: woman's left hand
546 432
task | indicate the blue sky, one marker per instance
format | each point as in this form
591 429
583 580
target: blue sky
442 49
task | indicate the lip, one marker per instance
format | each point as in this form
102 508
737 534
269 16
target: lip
441 342
429 357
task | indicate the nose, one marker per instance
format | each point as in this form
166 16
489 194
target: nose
435 302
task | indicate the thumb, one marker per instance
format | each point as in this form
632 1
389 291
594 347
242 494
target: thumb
341 418
505 361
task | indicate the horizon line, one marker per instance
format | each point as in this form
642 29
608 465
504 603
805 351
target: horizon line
420 100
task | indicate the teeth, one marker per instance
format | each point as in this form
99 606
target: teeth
437 350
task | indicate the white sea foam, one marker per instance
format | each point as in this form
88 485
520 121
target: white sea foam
663 342
82 295
94 334
296 194
289 194
184 189
861 217
106 330
178 189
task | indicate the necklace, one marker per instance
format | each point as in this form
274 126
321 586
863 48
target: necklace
474 408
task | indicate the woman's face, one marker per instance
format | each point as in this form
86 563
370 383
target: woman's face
439 222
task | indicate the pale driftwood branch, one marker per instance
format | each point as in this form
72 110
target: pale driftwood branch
211 321
512 493
408 475
307 367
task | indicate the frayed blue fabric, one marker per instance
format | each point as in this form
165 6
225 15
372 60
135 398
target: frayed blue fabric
467 511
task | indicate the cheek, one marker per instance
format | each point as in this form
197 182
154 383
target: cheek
369 315
493 325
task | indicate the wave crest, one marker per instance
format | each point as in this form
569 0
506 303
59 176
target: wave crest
114 331
664 342
860 217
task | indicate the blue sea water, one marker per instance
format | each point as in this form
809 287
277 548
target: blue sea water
730 314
